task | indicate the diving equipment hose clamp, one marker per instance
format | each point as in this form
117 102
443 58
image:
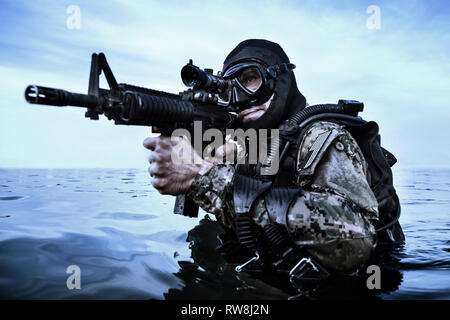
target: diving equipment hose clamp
242 266
301 265
307 270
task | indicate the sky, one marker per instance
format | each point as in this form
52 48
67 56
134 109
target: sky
398 65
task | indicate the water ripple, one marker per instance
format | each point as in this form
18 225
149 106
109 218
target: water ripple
13 198
93 219
125 216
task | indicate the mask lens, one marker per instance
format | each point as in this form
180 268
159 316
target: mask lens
251 79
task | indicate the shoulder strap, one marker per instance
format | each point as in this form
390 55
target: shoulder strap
246 190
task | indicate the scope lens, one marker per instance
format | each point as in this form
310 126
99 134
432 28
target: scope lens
190 76
193 80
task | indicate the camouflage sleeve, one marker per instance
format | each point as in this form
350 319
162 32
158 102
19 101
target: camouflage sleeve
213 192
332 217
338 166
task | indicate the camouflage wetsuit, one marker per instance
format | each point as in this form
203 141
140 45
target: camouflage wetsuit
332 218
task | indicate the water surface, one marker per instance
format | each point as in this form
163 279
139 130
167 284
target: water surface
129 245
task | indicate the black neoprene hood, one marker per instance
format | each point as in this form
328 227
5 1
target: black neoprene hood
287 98
270 53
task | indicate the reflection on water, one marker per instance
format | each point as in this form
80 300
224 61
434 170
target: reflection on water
209 272
12 198
128 244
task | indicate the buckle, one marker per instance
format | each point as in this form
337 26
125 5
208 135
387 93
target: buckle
302 264
278 69
242 266
307 270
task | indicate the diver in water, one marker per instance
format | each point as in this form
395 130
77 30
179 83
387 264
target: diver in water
330 204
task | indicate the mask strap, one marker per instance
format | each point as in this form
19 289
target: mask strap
279 69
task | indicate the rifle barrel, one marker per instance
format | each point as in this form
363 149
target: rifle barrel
58 97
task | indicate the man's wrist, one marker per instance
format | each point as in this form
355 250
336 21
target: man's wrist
215 178
199 169
205 167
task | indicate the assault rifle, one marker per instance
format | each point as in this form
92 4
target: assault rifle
131 105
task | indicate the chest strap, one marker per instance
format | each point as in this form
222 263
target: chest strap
278 201
288 257
291 259
246 191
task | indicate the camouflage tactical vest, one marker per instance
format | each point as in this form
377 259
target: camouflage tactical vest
379 161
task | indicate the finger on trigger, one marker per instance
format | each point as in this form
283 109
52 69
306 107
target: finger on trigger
159 183
154 157
150 143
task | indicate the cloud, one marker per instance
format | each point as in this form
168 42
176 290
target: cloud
400 72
